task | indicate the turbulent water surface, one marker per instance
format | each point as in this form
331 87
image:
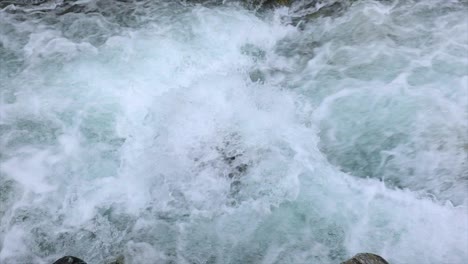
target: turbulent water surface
175 132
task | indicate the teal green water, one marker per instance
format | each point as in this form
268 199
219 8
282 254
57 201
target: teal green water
168 132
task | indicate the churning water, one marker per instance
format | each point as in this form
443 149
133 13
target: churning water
173 132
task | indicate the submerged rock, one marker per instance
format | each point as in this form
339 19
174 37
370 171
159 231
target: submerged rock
252 4
69 260
265 4
119 260
366 258
273 2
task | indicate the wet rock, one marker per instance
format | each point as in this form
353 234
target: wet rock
69 260
265 4
257 76
274 2
251 4
366 258
119 260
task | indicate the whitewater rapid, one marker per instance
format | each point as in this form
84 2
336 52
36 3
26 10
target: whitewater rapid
170 132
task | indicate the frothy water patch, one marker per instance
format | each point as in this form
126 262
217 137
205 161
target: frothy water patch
177 133
388 106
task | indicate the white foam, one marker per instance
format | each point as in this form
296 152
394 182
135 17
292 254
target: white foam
154 142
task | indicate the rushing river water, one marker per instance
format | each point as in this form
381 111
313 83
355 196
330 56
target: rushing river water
173 132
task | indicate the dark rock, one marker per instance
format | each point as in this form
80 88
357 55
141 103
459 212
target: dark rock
275 2
119 260
366 258
260 4
69 260
257 76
